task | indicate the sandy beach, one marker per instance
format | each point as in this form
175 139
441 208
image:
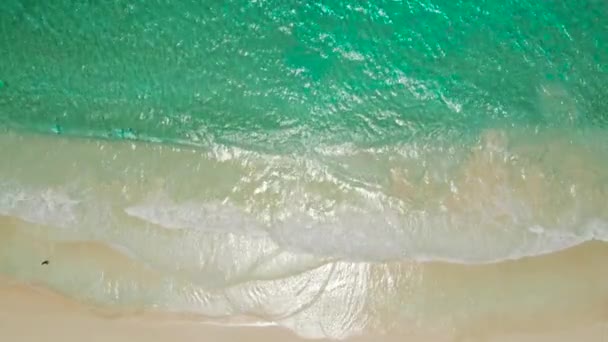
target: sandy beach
35 314
573 280
29 314
108 270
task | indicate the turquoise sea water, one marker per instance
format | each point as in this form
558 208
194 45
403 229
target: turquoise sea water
283 75
332 167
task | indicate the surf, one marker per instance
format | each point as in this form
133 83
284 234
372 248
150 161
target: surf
510 194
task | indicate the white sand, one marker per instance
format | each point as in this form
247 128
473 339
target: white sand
31 314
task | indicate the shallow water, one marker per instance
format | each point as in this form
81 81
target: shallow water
505 197
303 241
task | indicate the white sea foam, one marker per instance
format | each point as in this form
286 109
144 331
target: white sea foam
212 217
493 201
46 206
351 233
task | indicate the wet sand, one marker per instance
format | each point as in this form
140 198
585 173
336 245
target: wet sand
562 296
558 296
35 314
29 314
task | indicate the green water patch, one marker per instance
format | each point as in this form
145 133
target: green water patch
275 76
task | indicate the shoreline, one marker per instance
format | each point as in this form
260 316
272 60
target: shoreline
75 213
31 313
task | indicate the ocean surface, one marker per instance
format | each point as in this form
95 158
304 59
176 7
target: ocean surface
332 167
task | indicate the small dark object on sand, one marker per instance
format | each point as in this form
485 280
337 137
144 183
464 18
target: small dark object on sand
45 262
